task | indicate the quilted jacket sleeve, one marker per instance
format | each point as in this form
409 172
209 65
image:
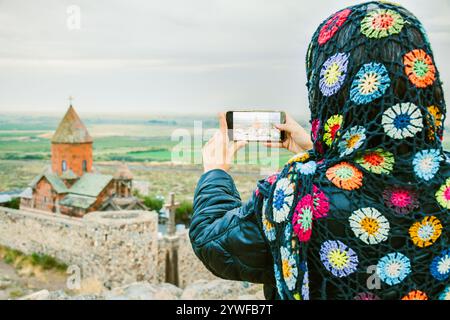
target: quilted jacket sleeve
224 232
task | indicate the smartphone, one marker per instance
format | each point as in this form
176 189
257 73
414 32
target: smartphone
255 125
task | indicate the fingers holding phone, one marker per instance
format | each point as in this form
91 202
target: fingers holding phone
297 139
219 151
276 129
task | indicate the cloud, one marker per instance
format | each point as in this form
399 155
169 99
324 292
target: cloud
173 55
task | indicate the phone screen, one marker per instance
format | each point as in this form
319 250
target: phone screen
255 125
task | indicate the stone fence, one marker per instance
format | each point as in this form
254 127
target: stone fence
114 248
177 263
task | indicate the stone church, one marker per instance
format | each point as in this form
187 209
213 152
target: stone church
71 186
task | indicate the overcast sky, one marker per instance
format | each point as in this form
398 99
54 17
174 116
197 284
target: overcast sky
150 56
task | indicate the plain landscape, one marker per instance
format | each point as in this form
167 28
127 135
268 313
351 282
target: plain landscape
145 143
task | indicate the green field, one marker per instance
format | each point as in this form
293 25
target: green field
28 138
146 144
35 146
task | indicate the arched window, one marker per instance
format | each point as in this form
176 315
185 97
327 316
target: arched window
64 165
84 165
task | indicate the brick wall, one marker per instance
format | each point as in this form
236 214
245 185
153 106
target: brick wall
44 196
74 155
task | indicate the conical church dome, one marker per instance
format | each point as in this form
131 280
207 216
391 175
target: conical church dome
71 129
123 172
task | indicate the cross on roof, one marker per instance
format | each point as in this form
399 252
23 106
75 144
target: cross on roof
70 100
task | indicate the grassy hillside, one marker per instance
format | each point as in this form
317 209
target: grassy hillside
28 138
146 144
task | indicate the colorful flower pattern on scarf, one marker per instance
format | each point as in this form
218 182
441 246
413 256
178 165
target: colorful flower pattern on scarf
426 163
315 126
283 198
308 209
302 219
419 68
268 227
369 225
289 268
272 178
306 168
352 140
345 176
333 74
393 268
337 258
288 236
299 157
366 296
434 123
321 204
440 266
443 195
401 200
415 295
332 127
332 26
386 157
381 23
377 161
445 295
278 280
424 233
371 82
402 121
305 286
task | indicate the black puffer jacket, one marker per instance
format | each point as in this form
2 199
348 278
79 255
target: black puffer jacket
225 235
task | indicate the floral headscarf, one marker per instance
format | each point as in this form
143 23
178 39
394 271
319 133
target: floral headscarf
365 214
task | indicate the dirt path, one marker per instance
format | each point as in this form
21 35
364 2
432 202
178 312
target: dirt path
15 283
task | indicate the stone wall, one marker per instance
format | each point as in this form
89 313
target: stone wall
125 245
163 247
111 247
114 248
189 268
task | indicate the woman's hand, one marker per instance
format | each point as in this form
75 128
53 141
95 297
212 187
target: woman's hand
219 151
297 139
